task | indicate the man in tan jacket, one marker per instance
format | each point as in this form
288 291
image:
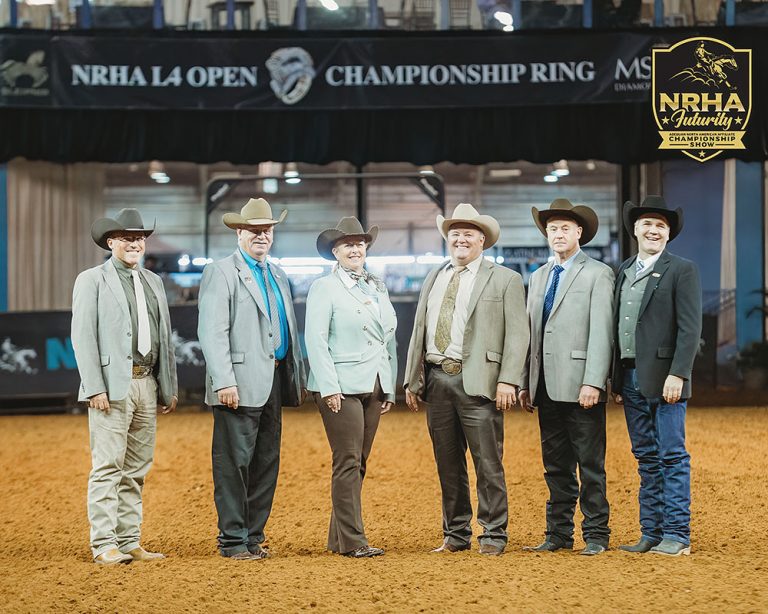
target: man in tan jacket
465 362
570 306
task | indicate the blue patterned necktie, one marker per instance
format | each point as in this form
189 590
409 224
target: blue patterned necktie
274 313
639 267
549 299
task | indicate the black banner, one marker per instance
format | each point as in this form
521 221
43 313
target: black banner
85 71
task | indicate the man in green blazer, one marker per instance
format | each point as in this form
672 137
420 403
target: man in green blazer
249 337
121 334
465 362
570 307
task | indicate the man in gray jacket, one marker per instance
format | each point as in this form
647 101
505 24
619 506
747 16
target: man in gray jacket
248 333
121 334
570 308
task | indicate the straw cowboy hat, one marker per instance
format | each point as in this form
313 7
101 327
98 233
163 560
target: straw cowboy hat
657 206
256 212
464 213
347 227
126 220
563 208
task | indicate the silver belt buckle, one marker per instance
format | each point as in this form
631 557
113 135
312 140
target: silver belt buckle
451 366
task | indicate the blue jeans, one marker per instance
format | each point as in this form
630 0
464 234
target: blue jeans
657 432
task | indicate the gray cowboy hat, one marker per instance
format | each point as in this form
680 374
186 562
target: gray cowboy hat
347 227
654 205
563 208
464 213
126 220
256 212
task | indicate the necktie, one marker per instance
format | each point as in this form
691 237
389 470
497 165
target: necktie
142 315
549 299
447 307
274 314
639 266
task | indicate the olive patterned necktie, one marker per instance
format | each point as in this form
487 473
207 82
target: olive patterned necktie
448 306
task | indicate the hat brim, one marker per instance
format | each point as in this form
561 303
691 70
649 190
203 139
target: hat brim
327 239
102 228
236 221
487 224
632 212
581 214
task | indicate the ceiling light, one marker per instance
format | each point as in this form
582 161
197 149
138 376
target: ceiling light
551 178
291 173
184 260
162 179
330 5
591 165
427 170
503 17
509 28
561 168
270 186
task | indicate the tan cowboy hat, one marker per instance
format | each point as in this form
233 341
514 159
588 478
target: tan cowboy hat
347 227
653 205
562 208
256 212
464 213
126 220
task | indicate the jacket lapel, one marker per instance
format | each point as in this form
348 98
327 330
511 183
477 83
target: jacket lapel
536 294
661 266
483 275
246 276
357 293
575 269
113 281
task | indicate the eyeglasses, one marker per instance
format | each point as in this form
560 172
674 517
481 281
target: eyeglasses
135 239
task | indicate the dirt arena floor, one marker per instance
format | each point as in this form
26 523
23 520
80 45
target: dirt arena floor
45 563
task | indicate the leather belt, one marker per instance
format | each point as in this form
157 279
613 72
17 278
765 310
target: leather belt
628 363
140 372
449 366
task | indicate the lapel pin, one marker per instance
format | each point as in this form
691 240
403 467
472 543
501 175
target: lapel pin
656 274
248 279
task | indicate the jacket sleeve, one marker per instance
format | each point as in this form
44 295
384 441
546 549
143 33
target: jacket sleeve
392 351
316 330
525 384
600 341
85 335
170 351
213 327
688 317
414 373
516 333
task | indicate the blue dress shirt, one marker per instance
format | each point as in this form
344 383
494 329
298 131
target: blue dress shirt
284 333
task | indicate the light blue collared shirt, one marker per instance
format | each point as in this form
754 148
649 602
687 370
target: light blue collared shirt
280 352
566 265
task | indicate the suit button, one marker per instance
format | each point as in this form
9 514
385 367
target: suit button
272 356
129 333
382 343
270 334
358 311
365 328
370 343
128 357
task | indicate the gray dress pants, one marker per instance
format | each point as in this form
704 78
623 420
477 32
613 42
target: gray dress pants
457 421
246 461
350 433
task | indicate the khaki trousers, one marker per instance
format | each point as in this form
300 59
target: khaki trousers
122 450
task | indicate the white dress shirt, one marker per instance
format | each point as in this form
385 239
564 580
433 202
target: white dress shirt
435 300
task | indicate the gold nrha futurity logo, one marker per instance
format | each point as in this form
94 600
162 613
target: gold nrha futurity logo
702 96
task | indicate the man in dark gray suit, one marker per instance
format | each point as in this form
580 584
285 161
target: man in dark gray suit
658 326
121 334
248 333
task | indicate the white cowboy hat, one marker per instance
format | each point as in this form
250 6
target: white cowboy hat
464 213
256 212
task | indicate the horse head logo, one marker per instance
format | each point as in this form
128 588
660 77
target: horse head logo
292 71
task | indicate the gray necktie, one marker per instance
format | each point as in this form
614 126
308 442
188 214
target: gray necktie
142 315
639 267
274 314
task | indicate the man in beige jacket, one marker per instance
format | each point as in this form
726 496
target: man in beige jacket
465 362
570 306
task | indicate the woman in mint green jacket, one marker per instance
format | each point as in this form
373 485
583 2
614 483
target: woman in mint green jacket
350 337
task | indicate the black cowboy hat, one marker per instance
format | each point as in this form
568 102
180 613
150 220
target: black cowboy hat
562 208
126 220
347 227
654 205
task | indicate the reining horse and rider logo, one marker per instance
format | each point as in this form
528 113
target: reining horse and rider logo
14 359
702 96
23 78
